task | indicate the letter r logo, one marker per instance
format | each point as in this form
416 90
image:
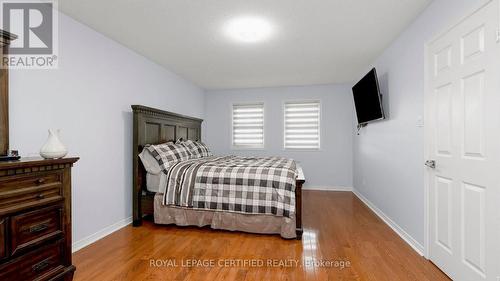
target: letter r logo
33 23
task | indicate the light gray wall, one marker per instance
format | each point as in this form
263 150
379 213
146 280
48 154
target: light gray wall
329 167
89 99
388 155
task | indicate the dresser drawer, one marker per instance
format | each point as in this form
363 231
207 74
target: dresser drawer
21 192
35 219
41 264
3 238
36 227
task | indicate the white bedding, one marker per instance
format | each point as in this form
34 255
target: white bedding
155 178
156 182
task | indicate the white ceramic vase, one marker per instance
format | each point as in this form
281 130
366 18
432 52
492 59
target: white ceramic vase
53 148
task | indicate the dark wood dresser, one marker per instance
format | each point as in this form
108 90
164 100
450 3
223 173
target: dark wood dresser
35 219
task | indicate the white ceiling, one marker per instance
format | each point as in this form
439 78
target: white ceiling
314 42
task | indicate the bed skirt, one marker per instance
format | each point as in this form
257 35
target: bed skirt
262 224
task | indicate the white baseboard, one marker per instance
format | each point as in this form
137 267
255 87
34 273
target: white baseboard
328 188
100 234
419 248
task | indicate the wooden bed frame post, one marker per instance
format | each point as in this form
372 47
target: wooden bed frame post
136 187
298 202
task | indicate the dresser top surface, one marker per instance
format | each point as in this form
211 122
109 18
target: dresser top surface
35 161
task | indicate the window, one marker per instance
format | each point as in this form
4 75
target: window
302 125
248 125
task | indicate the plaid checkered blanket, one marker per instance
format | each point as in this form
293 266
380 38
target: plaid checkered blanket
233 184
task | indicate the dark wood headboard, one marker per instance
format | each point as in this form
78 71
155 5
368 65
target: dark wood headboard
154 126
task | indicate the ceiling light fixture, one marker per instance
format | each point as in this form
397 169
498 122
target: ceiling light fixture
248 29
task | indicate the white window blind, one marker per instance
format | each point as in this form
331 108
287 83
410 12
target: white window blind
302 125
248 125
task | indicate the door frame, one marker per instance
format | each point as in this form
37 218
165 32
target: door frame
427 112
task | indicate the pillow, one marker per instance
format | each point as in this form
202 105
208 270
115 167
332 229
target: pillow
168 154
203 149
197 148
149 162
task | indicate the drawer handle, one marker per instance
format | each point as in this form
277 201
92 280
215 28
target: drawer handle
41 265
39 227
40 196
40 181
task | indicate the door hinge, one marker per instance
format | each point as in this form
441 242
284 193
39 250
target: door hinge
498 35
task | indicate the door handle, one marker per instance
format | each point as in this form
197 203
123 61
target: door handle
431 164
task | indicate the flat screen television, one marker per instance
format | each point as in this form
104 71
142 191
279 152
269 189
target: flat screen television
367 99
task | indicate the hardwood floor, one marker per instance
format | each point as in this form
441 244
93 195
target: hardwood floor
338 228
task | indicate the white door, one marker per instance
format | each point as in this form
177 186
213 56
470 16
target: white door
463 138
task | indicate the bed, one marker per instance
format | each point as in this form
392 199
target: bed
153 126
